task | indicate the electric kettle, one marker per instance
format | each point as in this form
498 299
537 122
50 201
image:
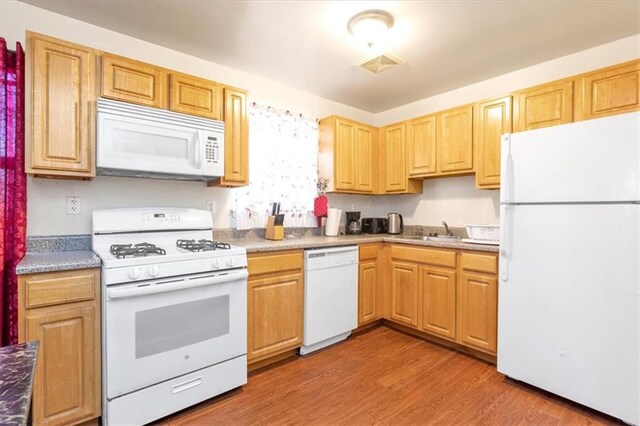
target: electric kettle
395 223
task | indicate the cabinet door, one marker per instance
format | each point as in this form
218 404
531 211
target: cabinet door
478 311
365 158
394 157
367 292
404 293
275 320
65 389
345 155
236 138
422 146
493 120
62 123
614 90
543 106
127 80
438 301
194 96
455 140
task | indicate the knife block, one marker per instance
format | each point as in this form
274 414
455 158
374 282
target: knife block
274 232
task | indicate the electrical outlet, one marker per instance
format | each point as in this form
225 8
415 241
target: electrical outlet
73 205
354 207
211 206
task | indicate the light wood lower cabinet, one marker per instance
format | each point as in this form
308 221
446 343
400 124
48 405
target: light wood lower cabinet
438 301
478 301
369 289
404 293
62 311
275 303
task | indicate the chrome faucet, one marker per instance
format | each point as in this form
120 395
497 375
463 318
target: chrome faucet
446 228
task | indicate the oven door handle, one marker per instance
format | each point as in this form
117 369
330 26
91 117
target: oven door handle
187 284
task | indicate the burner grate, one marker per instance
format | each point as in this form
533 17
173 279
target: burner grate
202 245
121 251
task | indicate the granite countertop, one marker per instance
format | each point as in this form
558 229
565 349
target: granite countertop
261 245
58 253
17 367
57 261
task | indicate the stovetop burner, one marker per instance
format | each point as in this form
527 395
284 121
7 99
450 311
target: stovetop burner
202 245
121 251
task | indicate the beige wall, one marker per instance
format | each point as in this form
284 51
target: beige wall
453 199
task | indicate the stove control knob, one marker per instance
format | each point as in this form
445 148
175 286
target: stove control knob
134 273
230 262
154 271
216 263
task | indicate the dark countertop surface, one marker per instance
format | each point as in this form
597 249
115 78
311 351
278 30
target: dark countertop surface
17 368
57 261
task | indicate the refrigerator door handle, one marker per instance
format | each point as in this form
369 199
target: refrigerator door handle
507 162
504 242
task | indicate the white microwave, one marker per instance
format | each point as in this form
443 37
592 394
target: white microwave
139 141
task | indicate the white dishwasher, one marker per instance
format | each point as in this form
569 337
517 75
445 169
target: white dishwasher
330 296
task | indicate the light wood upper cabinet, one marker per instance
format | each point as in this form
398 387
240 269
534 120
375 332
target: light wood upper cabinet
369 291
404 293
455 140
438 301
493 119
422 146
613 90
347 154
394 157
236 139
365 154
274 304
124 79
194 96
345 146
62 121
542 106
62 311
478 301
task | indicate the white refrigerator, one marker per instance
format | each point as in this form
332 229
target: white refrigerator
568 305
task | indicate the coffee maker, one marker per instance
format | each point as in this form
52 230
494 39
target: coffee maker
353 223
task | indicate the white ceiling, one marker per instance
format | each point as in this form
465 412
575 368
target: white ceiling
305 44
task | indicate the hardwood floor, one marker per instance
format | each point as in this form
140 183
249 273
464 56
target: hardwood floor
385 377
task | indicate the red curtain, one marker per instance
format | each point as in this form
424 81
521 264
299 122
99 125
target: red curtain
13 189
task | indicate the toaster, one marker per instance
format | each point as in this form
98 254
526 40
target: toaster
375 225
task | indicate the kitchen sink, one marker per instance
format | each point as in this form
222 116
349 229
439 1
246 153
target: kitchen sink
438 238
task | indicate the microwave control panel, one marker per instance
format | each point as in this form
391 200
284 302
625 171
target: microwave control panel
212 150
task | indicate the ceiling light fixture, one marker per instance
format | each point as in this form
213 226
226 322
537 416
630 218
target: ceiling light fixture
370 26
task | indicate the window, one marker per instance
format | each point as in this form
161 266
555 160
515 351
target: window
283 167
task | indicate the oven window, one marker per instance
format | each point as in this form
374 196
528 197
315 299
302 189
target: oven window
171 327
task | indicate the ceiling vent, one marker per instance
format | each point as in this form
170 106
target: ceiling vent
379 62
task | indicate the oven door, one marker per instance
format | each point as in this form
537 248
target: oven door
157 330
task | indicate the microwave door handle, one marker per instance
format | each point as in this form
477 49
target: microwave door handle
199 147
188 284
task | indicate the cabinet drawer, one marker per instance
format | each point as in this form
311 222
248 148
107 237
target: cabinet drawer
480 262
368 251
424 255
267 263
60 287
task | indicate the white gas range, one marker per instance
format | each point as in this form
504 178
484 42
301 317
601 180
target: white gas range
174 312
